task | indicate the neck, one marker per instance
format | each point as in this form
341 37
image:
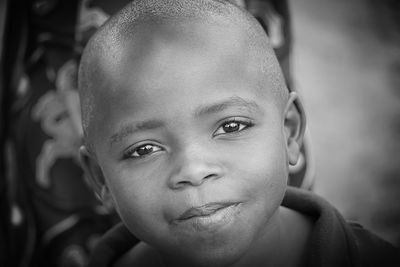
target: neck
266 250
283 242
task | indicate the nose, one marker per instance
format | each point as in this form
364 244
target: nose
193 167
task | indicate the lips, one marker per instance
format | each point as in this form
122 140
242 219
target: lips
205 210
212 217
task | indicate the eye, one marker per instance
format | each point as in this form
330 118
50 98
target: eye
233 126
142 151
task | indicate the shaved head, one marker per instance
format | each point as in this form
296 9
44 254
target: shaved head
184 105
167 21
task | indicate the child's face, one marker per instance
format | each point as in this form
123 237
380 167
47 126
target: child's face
192 151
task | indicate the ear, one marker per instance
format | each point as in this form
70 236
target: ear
95 177
294 124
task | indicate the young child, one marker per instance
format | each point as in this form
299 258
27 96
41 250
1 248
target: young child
190 132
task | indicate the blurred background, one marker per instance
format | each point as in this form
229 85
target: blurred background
346 64
342 56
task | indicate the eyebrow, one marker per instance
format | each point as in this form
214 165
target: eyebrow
235 101
131 128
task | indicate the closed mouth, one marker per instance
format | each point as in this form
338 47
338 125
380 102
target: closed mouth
205 210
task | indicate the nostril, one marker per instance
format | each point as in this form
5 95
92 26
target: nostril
193 172
183 183
194 182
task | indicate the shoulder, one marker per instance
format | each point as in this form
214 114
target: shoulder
140 255
118 247
335 242
374 251
112 246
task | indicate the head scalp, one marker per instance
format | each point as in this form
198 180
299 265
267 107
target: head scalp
121 26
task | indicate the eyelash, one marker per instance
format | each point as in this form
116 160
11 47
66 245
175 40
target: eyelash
130 153
241 123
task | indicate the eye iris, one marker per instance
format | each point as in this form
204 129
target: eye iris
143 150
231 127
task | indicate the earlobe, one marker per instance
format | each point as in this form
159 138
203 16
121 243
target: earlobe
294 127
95 176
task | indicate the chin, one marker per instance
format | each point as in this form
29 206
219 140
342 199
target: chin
214 259
209 255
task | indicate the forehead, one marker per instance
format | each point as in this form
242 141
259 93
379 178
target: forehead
156 41
156 48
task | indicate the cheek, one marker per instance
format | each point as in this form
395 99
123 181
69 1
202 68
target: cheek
265 184
137 199
260 169
264 158
266 179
